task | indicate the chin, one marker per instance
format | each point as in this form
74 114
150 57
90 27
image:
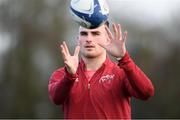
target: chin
89 55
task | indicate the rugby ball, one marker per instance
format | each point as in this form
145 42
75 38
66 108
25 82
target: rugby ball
89 13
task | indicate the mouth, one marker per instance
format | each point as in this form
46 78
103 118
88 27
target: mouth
89 46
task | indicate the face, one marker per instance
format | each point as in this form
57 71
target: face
88 40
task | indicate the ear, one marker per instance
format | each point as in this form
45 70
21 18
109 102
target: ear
77 40
77 37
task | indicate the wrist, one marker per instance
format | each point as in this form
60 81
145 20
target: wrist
120 57
69 75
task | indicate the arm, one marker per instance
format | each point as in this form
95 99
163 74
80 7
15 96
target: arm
137 83
60 85
62 80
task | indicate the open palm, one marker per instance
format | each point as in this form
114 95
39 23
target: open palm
116 47
71 61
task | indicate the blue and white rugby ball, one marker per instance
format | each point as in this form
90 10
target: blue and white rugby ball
89 13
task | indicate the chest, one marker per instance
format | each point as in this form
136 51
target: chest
102 85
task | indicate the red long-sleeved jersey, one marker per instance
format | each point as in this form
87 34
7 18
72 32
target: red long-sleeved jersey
106 95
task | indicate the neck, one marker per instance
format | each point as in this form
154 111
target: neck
94 63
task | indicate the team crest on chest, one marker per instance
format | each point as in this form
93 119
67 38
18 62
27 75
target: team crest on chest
106 78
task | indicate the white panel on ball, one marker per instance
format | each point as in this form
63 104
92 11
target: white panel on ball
89 13
84 6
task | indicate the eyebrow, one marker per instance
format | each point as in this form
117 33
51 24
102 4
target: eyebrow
93 32
83 32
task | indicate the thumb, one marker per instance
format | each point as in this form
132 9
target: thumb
103 44
125 36
76 51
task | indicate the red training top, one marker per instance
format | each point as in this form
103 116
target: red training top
106 95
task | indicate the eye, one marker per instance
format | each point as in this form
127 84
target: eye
96 33
83 33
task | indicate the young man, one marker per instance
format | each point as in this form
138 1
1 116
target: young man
96 87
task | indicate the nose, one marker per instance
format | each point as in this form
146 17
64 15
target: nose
89 39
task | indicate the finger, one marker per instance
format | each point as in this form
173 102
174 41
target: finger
119 32
115 31
76 52
125 36
102 44
65 47
109 33
63 52
106 47
66 63
62 49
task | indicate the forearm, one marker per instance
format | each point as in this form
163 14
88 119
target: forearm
140 85
59 90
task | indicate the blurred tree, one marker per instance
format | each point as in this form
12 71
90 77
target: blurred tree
28 65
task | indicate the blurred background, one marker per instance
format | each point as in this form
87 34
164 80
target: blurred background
31 30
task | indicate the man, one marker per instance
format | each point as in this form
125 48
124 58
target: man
96 87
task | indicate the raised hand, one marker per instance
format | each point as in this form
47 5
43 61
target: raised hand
71 61
116 47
